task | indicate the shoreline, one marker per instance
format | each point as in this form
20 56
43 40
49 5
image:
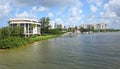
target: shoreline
29 40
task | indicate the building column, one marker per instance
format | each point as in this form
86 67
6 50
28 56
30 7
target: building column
28 30
25 29
33 31
36 29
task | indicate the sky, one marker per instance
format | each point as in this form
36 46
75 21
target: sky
68 12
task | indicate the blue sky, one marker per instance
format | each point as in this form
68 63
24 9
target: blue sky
69 12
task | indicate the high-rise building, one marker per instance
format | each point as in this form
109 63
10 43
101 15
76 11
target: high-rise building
51 25
99 26
60 26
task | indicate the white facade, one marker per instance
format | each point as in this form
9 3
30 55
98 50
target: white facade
100 26
52 25
60 26
31 26
72 26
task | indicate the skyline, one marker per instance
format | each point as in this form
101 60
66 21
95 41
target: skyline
69 12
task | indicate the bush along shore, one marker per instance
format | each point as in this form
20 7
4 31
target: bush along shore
14 38
16 41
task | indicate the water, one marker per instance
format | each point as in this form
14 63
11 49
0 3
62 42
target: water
94 51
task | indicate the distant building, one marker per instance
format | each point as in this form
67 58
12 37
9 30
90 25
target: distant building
59 26
51 25
72 26
100 26
86 26
27 25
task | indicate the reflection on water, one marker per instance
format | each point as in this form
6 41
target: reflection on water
94 51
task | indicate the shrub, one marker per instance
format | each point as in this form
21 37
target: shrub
55 32
4 32
12 42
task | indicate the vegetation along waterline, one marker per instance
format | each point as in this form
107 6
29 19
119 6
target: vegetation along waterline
15 35
16 41
19 34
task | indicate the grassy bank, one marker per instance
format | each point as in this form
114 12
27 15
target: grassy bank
39 38
12 42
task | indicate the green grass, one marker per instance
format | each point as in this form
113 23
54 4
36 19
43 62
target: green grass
39 38
12 42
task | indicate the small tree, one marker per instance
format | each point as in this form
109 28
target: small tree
93 30
44 24
5 32
76 28
33 25
82 29
17 31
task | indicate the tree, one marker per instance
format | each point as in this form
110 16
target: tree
17 31
76 28
44 24
93 30
33 25
5 32
82 29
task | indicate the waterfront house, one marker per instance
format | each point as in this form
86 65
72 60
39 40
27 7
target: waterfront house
30 26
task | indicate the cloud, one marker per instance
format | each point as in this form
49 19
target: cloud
74 12
112 8
59 3
47 3
108 14
96 2
50 14
93 8
40 9
74 15
58 20
111 13
114 5
21 3
5 9
24 14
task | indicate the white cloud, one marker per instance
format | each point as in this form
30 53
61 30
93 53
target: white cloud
74 12
108 14
40 9
74 15
59 3
4 9
58 20
112 8
24 14
47 3
111 13
50 14
96 2
114 5
93 8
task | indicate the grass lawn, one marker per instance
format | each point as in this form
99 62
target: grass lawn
12 42
39 38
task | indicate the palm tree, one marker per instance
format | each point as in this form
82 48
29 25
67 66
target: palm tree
44 24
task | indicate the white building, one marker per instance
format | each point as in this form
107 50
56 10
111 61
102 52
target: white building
51 25
60 26
30 26
72 26
86 26
100 26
